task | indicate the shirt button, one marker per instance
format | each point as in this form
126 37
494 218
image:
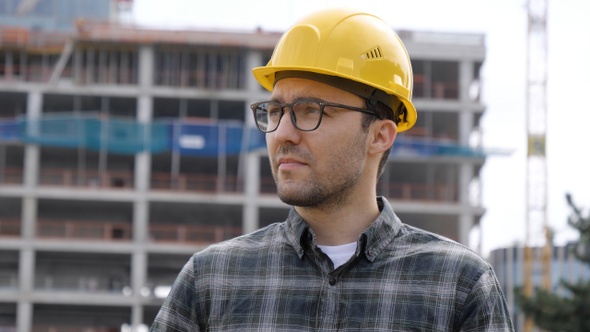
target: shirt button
332 281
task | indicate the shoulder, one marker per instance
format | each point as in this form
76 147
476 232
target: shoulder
240 260
440 252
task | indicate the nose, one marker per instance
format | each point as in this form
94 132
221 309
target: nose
286 131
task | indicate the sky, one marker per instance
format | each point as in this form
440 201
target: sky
504 23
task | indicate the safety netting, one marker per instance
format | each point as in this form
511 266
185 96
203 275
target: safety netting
186 137
127 136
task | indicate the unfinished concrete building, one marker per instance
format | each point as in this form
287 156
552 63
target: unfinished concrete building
125 150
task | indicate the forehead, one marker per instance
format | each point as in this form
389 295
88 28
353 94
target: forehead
288 89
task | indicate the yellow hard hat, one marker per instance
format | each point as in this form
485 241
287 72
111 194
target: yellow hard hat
351 45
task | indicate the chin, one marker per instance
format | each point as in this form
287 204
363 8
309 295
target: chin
298 196
289 195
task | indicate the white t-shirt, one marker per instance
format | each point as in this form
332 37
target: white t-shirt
339 254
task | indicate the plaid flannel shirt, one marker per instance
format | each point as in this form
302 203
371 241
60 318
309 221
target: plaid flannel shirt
276 279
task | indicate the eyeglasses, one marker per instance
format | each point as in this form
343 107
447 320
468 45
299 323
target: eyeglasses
306 114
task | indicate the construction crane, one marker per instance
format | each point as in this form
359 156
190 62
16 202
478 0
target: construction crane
536 126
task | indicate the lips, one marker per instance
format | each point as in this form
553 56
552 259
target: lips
289 163
290 157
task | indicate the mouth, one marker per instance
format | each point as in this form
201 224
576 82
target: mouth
285 164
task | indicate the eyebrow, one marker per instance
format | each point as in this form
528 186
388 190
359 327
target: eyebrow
282 101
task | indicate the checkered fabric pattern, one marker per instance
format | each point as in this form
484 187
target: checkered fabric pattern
276 279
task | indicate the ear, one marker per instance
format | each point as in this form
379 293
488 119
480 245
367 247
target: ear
383 133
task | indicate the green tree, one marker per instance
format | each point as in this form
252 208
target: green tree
569 313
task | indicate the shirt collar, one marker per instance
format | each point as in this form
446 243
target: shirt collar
372 241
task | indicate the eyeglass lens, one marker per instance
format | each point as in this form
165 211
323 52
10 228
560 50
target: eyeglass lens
306 115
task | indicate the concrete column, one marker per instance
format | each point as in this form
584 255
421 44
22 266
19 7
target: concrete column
142 176
34 105
465 224
146 66
26 273
466 173
144 114
138 284
139 259
466 120
24 316
465 178
466 77
140 221
28 219
31 170
143 159
466 216
251 161
466 116
142 171
252 189
142 186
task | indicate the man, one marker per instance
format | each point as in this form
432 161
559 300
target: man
341 86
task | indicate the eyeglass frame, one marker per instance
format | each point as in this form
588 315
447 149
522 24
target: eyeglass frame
321 103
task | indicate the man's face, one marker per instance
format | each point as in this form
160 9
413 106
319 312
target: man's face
320 168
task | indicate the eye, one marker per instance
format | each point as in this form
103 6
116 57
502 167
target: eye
273 110
308 107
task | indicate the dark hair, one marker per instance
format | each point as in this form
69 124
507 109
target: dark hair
384 112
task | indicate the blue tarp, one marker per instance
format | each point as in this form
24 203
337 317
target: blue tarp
127 136
57 131
10 130
427 147
113 135
122 136
213 139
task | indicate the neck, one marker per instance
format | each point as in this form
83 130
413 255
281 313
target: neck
343 223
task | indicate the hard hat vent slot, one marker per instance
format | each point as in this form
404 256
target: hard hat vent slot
374 53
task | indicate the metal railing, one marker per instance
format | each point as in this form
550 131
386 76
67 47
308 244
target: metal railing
73 328
425 88
420 192
82 284
9 280
194 234
10 227
83 230
209 183
118 231
11 175
86 178
195 182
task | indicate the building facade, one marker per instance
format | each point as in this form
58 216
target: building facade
123 151
509 265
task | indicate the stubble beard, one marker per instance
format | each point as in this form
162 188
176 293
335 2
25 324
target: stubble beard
323 191
313 193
